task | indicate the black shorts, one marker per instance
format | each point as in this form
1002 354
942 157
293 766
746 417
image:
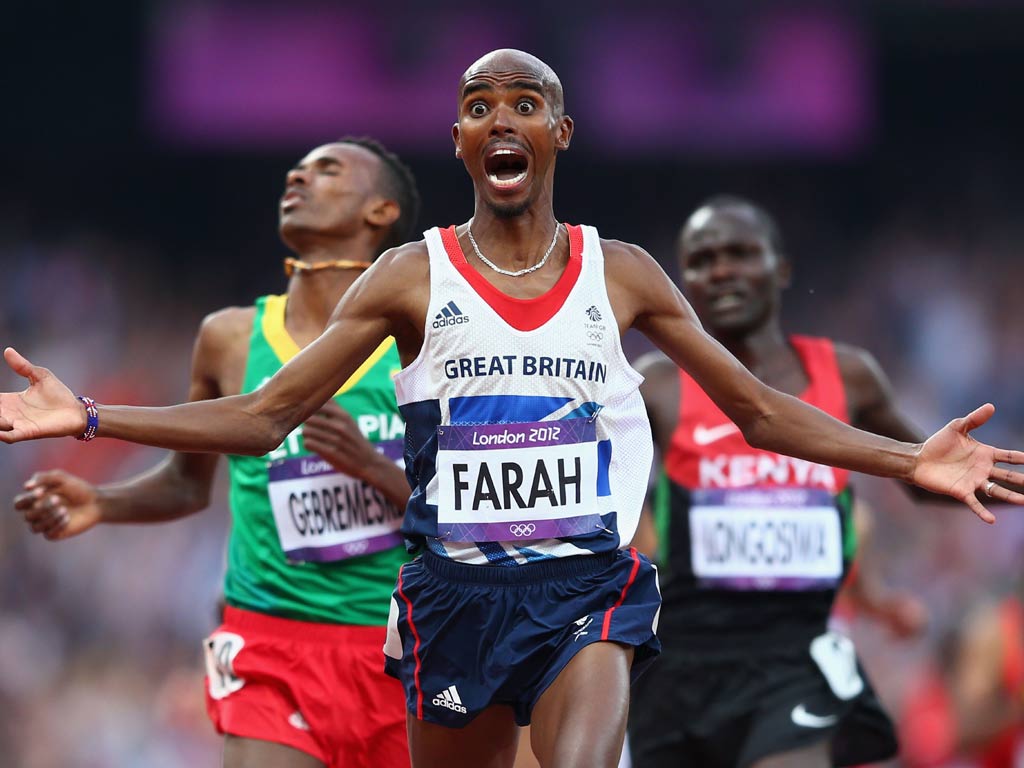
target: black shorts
718 709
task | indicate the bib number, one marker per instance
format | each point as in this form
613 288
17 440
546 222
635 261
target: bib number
507 482
765 539
323 515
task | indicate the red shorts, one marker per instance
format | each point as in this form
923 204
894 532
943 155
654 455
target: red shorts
319 688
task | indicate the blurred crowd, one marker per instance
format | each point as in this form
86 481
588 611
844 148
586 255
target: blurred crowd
100 662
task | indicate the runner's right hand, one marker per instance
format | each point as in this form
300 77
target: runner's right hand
58 505
46 409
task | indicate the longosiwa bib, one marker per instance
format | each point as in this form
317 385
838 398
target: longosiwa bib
308 542
527 437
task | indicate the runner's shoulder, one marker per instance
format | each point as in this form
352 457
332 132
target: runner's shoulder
399 280
622 254
226 327
409 258
631 265
857 366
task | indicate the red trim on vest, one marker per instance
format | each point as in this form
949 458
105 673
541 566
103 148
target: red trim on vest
703 433
606 627
521 314
415 647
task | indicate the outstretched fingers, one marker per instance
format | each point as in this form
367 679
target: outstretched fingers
1007 476
975 418
1005 495
979 509
24 368
1008 457
20 364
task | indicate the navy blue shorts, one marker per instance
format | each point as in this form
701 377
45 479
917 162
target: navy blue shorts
463 637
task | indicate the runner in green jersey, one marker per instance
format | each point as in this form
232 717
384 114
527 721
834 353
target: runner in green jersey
291 550
295 673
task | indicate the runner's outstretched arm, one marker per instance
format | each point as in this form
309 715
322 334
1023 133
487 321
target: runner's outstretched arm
950 461
59 505
250 424
873 407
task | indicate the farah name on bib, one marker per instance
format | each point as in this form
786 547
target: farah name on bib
531 480
766 539
323 515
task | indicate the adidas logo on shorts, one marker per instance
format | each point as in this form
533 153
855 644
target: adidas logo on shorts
449 698
450 314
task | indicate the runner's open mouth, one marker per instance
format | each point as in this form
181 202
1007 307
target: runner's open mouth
506 167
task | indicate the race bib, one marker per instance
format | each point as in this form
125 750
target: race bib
503 482
323 515
766 539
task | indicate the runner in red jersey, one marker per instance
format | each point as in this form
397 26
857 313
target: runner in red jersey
753 544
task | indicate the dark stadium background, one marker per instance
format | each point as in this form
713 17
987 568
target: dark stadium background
141 171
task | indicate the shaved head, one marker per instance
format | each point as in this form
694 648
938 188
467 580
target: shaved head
511 62
763 221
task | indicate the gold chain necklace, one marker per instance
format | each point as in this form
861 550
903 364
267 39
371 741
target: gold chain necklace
292 266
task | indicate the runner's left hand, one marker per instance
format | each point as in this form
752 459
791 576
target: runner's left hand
954 463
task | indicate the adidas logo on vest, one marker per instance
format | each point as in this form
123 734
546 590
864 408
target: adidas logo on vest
449 315
449 698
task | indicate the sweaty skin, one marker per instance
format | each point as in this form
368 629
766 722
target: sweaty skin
513 226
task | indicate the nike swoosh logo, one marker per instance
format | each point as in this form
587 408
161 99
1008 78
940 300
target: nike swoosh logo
802 717
705 436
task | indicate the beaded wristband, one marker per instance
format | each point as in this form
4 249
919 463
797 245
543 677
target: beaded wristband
93 419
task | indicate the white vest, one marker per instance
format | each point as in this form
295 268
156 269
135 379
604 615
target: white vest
541 446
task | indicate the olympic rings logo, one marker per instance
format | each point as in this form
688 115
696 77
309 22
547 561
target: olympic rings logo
522 530
356 547
595 335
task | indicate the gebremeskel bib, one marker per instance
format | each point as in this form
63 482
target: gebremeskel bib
526 436
323 515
